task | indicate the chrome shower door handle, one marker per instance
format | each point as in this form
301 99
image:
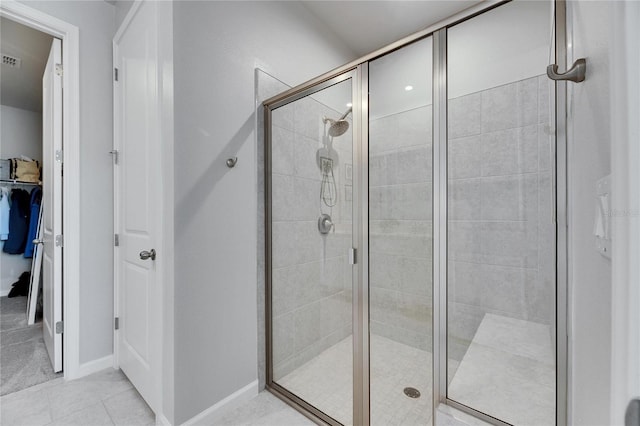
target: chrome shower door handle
576 73
144 255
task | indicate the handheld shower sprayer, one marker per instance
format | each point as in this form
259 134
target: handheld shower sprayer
327 159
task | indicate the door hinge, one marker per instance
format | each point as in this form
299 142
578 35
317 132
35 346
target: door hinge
352 256
60 327
59 69
116 323
59 156
115 154
116 240
115 74
59 241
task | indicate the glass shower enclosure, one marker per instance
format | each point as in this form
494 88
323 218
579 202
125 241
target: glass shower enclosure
411 230
310 180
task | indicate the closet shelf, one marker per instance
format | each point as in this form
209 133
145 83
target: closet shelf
18 182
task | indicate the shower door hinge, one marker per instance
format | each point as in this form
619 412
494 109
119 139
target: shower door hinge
59 156
59 241
116 323
352 256
116 240
60 327
115 74
59 69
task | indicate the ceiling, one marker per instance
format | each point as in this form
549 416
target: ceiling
365 26
22 87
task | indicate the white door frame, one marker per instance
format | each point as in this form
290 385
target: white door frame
69 35
165 202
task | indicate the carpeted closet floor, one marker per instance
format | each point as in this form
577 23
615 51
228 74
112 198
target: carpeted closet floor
24 361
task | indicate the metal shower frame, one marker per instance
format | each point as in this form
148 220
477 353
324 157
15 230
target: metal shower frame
357 72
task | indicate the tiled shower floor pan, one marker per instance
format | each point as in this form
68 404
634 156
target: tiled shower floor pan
326 380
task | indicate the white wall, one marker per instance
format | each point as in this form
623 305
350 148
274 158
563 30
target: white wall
122 8
500 46
590 273
217 46
20 134
625 137
95 19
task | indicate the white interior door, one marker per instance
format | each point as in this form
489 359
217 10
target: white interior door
51 202
137 169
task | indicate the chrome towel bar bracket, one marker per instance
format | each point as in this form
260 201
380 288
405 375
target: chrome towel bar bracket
576 73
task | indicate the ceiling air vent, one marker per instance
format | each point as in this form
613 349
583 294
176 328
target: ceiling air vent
11 61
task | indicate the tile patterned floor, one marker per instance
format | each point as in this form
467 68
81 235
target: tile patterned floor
263 410
267 410
507 357
104 398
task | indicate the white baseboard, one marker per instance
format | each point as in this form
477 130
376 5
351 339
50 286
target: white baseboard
161 420
93 366
222 407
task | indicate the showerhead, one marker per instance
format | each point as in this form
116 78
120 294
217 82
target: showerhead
338 127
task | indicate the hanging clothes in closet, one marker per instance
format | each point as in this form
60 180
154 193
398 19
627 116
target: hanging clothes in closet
18 222
34 214
4 213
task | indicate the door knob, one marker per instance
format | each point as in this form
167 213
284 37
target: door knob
144 255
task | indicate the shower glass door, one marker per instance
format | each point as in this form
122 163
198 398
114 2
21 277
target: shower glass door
400 236
501 227
309 279
411 230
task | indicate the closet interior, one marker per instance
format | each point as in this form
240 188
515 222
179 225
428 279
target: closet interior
25 360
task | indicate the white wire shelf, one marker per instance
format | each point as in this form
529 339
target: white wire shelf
18 182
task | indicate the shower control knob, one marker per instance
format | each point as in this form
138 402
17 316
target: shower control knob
324 223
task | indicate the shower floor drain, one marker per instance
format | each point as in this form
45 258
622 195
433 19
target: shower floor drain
412 392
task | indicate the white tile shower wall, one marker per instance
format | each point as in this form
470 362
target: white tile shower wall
311 280
501 234
400 226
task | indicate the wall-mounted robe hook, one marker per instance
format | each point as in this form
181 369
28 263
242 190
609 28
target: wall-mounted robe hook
576 73
231 162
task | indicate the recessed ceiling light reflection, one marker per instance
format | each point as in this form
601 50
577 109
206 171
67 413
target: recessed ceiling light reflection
408 88
349 105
